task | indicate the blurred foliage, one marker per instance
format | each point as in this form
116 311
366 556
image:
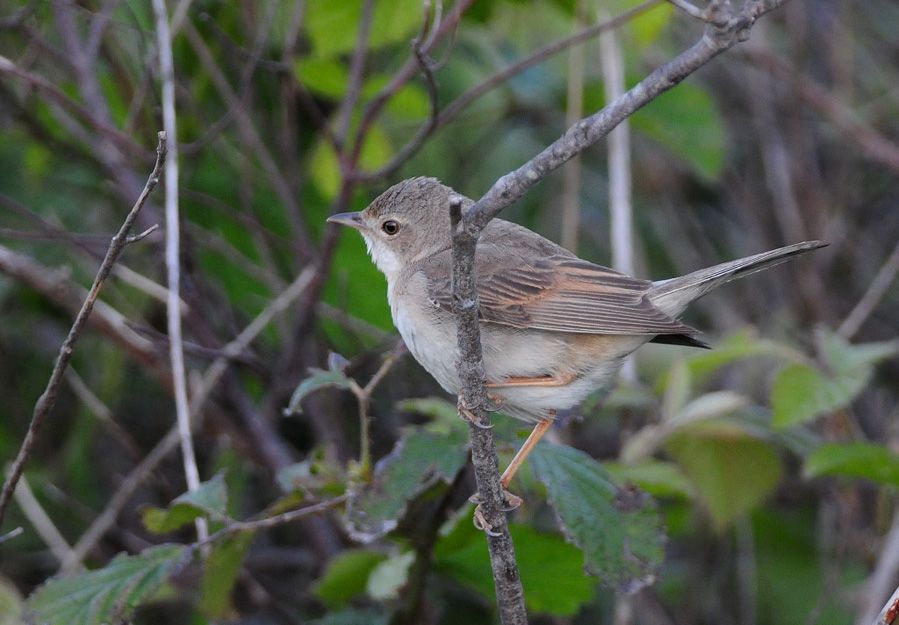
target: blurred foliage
772 458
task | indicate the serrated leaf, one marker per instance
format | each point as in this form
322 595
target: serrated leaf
220 573
107 595
687 122
551 569
389 577
418 461
659 479
862 460
732 471
210 499
617 528
318 380
346 576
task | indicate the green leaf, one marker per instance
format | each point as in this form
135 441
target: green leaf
740 346
686 121
410 102
333 26
419 460
210 499
551 569
864 460
659 479
327 77
843 357
618 529
444 415
732 471
376 150
220 573
318 380
802 393
389 577
107 595
347 576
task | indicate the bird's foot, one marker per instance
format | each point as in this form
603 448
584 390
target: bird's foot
511 502
467 415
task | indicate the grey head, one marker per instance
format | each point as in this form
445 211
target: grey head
406 223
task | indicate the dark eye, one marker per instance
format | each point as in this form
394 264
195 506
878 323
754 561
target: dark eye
390 227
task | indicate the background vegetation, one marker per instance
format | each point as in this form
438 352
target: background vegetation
772 458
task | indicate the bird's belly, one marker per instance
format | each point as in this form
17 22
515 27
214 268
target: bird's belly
590 362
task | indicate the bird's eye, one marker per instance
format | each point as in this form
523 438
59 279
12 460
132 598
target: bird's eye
390 227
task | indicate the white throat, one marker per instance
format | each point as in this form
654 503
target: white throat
384 258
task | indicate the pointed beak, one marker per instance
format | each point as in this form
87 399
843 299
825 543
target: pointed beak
353 220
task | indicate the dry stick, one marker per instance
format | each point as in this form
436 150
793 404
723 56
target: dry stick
47 399
164 447
173 256
466 228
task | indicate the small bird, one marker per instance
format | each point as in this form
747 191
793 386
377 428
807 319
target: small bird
554 327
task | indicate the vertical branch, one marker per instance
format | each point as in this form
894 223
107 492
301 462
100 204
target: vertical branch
47 399
172 256
472 404
620 189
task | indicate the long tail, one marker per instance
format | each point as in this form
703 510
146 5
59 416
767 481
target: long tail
672 296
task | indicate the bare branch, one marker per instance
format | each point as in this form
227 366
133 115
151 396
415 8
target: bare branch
173 256
357 69
284 518
48 398
41 521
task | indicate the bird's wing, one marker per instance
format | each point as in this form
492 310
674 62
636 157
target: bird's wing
558 292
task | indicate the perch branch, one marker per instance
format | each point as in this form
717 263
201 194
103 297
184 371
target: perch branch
47 399
731 26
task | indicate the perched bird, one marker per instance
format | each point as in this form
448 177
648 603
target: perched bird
554 327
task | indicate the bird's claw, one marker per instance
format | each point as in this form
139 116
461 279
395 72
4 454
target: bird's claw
510 502
468 415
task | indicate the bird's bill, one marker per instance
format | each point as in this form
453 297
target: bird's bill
353 220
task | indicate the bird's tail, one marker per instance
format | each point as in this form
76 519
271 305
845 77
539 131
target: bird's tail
672 296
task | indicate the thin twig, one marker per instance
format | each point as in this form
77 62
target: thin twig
173 256
48 398
574 110
40 520
363 398
11 534
285 517
872 296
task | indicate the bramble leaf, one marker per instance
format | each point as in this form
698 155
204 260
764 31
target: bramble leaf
107 595
617 528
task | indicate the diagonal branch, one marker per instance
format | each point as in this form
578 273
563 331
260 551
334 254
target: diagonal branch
47 399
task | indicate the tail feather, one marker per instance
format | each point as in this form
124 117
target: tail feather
672 296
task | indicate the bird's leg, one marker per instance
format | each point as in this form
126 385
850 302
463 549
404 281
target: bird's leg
536 434
540 381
